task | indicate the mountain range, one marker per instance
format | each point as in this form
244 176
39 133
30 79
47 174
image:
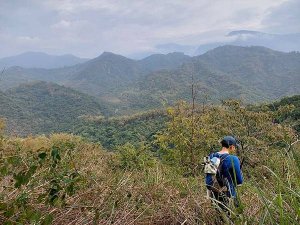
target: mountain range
100 76
40 60
245 38
37 100
279 42
250 73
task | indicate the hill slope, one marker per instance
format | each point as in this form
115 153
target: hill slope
291 117
249 73
274 74
44 107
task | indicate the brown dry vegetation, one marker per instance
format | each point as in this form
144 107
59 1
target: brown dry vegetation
62 179
105 193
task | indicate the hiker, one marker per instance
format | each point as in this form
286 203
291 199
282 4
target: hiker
223 174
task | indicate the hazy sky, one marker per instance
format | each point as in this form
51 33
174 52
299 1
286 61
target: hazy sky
88 27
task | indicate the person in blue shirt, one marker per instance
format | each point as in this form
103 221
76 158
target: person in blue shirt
230 174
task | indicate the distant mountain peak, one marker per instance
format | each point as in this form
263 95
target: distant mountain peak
110 55
176 53
33 53
243 32
43 54
180 54
107 53
235 48
32 59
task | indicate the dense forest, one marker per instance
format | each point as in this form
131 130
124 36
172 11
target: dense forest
42 107
116 131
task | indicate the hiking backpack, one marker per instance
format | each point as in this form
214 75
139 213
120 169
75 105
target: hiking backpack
212 167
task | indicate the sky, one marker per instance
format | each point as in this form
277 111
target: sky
86 28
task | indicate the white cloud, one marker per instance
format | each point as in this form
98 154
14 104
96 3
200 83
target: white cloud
88 27
27 39
283 18
61 24
67 7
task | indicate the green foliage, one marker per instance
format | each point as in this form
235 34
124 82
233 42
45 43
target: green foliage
50 177
117 131
23 177
62 179
289 111
45 107
192 133
130 157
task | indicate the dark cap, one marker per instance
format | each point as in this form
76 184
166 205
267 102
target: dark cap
229 140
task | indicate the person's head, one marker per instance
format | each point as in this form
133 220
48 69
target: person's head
230 143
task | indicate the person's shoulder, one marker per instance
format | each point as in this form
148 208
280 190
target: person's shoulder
234 157
214 154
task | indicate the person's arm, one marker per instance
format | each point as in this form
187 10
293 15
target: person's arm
237 171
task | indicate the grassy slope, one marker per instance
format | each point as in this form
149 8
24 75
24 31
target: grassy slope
73 181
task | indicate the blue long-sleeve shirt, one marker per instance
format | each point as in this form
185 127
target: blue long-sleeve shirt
230 170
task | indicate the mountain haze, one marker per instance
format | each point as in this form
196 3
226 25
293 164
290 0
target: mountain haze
98 76
40 60
250 73
279 42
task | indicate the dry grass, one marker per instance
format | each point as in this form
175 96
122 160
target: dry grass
108 194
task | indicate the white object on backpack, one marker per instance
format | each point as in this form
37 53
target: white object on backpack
211 165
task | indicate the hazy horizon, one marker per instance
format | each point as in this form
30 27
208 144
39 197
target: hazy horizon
133 28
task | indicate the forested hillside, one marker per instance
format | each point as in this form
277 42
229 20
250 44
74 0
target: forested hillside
125 86
292 115
113 132
63 179
142 128
252 74
269 73
43 107
53 108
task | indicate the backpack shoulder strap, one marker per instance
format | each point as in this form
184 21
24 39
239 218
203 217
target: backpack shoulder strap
224 156
222 159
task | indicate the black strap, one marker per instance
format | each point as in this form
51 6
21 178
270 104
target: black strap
219 176
222 159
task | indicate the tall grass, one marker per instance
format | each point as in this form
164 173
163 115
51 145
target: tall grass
107 191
